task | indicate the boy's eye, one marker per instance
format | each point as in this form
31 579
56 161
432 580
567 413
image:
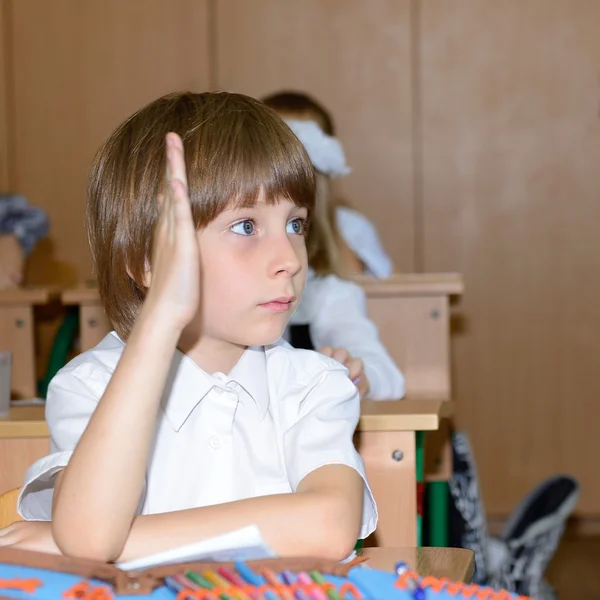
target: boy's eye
243 228
296 226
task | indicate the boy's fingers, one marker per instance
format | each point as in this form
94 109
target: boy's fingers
176 159
182 209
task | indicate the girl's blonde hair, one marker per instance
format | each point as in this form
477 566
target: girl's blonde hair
324 240
235 146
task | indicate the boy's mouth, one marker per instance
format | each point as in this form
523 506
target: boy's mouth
278 305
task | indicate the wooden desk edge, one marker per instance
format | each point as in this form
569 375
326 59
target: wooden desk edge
80 295
29 295
424 415
413 284
404 415
456 564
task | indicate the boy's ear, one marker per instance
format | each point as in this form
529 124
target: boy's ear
146 276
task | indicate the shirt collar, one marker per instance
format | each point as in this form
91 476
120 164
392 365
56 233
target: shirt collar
187 384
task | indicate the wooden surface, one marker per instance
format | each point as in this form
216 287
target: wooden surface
96 63
398 415
17 334
418 414
416 332
81 294
574 571
16 456
24 422
28 296
413 284
4 99
357 62
393 483
8 508
456 564
510 184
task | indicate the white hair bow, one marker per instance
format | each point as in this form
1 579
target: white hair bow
325 151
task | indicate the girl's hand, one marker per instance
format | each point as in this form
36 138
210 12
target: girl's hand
29 535
174 277
354 366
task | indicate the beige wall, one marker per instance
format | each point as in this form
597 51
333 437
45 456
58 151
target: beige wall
473 130
78 69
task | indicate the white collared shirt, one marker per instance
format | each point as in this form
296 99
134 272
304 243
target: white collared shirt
278 415
336 311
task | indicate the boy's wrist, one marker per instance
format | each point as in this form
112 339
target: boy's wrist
159 318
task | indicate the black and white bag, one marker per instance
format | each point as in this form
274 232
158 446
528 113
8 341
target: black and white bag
518 558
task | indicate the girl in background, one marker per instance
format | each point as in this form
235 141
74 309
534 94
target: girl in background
332 316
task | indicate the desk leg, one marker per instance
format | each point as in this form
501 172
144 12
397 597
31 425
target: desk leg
16 335
438 510
93 326
390 464
420 475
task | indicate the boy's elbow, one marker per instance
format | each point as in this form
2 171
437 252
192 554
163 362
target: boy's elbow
89 543
336 528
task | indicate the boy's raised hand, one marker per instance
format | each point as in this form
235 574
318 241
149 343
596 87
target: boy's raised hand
175 267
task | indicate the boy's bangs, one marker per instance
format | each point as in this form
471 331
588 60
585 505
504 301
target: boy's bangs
254 156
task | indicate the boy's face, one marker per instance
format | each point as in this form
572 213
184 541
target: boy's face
253 271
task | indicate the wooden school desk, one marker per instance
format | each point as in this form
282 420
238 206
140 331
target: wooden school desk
17 334
93 323
412 313
456 564
386 439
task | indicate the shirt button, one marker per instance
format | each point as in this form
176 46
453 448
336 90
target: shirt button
218 390
214 442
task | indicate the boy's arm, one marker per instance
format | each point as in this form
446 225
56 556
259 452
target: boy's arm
321 519
98 492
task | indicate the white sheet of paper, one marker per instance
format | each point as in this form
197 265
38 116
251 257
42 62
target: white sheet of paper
242 544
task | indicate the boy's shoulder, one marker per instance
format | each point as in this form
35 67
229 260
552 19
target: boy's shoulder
102 358
301 366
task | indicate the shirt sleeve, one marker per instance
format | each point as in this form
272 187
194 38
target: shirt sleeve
362 237
72 398
319 432
341 321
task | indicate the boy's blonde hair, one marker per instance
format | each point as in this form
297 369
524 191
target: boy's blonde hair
235 147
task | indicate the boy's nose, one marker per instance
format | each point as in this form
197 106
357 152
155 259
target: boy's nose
285 259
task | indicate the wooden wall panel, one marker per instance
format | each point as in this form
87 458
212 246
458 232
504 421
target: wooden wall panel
4 82
80 67
511 153
357 61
